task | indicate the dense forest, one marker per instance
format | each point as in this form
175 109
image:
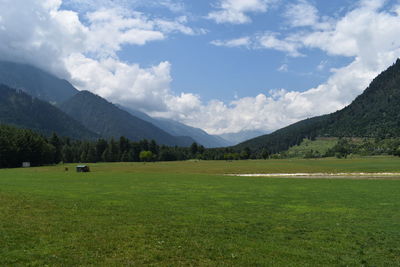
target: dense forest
21 145
21 109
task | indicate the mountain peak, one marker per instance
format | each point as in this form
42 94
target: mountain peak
35 82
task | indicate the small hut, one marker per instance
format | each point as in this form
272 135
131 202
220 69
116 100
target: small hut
26 164
82 168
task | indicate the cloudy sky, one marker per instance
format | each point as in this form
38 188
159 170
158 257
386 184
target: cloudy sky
220 65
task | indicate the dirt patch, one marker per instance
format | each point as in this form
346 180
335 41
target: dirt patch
359 175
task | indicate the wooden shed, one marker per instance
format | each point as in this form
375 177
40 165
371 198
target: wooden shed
82 168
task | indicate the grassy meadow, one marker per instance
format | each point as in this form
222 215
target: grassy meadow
321 145
191 214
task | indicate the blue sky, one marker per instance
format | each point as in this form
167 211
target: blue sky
218 72
220 65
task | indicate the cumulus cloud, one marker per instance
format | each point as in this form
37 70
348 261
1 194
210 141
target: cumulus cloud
176 6
304 14
122 83
83 50
235 11
58 41
267 40
368 34
271 41
36 32
244 41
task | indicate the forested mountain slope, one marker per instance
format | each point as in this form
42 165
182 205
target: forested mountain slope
375 113
22 110
107 120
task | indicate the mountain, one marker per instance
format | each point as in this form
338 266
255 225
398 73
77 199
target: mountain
236 138
178 129
374 113
107 120
22 110
35 82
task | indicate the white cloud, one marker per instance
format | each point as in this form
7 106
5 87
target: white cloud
304 14
367 34
271 41
40 33
173 5
122 83
301 14
235 11
36 32
284 68
268 40
244 41
176 6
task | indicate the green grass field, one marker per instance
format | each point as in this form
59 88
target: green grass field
189 213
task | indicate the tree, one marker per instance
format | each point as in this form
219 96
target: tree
167 155
91 154
127 156
101 146
113 148
153 147
146 155
194 149
56 142
245 154
67 154
107 155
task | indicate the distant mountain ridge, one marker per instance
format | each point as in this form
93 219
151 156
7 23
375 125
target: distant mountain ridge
22 110
236 138
176 129
35 82
47 87
374 113
107 120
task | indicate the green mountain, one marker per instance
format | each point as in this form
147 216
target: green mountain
47 87
22 110
375 113
35 82
107 120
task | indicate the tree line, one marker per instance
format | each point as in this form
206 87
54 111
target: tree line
21 145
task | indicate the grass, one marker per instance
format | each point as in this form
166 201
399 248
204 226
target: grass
188 213
320 145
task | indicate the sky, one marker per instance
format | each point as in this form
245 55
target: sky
221 65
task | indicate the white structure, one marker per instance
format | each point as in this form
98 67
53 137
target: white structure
26 164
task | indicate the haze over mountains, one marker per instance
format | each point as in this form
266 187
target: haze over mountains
107 120
35 82
375 113
89 115
176 128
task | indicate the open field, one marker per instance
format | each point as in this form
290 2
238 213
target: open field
191 213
